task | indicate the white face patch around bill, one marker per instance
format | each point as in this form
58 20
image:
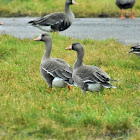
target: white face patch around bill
73 2
39 37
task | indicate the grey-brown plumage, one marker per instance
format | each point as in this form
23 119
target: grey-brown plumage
125 4
88 77
55 71
135 50
57 21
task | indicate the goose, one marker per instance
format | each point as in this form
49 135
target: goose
136 50
55 71
57 21
125 4
88 77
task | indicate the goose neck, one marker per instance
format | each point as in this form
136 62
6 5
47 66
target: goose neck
67 9
48 49
79 61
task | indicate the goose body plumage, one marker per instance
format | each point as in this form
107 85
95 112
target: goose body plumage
135 50
55 71
57 21
88 77
125 4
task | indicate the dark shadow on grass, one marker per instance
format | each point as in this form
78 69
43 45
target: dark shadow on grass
103 15
43 132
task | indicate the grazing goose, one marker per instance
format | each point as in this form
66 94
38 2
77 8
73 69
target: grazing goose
55 71
136 50
57 21
88 77
125 4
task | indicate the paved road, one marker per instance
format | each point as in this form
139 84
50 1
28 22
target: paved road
126 31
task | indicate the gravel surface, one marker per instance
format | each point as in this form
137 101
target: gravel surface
126 31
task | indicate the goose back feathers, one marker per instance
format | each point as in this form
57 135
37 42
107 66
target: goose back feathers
125 4
135 50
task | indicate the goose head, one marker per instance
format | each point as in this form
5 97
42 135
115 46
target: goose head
70 2
43 37
76 47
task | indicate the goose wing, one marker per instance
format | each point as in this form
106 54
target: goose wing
125 1
62 61
57 68
92 74
50 20
135 49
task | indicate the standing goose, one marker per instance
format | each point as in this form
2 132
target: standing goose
55 71
88 77
136 50
57 21
125 4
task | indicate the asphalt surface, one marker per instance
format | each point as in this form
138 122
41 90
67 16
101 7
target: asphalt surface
126 31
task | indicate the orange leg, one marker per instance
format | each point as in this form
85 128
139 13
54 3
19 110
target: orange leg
132 14
69 87
49 90
122 16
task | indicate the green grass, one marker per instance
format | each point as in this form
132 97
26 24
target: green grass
86 8
28 110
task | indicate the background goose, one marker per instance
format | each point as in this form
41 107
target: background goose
57 21
88 77
136 50
125 4
55 71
